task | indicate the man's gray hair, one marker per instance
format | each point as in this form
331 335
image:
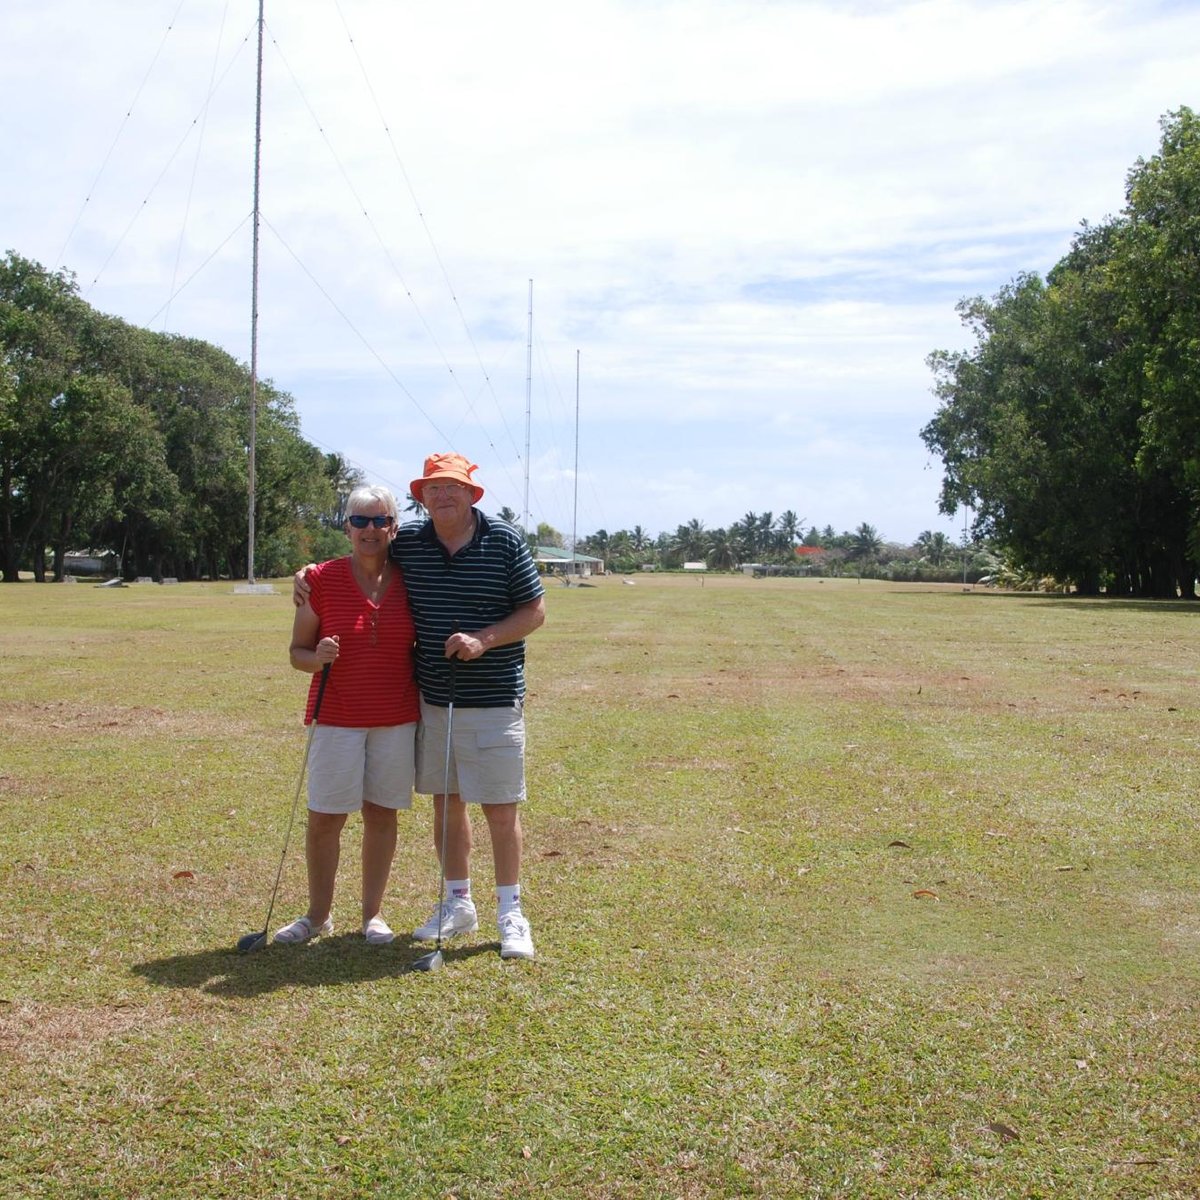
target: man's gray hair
364 497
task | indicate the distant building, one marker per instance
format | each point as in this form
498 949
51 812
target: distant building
554 560
695 566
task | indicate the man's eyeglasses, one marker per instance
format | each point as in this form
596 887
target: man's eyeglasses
361 522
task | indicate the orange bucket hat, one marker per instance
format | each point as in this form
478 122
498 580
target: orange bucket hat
451 467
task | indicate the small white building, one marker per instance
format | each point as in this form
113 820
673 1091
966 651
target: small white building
554 560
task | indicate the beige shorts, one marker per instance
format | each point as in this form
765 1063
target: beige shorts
487 755
348 766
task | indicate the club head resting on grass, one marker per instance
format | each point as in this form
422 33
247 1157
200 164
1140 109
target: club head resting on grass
251 942
427 962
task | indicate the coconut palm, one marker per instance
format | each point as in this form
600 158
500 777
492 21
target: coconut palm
745 532
787 529
722 553
691 540
935 548
865 544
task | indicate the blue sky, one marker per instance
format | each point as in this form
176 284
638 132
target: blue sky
752 221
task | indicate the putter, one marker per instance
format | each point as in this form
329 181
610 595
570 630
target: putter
250 942
433 960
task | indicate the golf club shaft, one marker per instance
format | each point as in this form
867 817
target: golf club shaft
296 798
446 800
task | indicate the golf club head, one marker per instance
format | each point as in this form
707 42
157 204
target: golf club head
251 942
427 962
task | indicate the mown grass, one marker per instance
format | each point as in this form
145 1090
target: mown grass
839 890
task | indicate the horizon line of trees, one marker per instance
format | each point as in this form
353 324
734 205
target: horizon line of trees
1072 426
778 543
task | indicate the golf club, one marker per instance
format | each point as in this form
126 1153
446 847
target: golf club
433 960
250 942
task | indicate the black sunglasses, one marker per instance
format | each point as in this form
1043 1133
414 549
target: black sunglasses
361 522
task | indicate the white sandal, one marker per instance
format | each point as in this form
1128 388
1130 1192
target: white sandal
377 932
302 930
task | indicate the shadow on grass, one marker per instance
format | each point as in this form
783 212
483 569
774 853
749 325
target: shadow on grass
329 962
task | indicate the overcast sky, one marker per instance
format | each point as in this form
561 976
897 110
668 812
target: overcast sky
751 221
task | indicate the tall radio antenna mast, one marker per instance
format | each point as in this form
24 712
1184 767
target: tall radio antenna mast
528 407
254 299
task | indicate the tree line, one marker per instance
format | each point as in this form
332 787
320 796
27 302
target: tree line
116 437
781 544
1072 425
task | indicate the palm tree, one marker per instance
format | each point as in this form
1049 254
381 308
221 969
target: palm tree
935 548
788 530
639 539
507 514
745 532
691 540
620 545
866 543
722 553
343 478
765 536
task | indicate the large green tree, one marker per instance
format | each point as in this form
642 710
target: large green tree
1070 425
116 437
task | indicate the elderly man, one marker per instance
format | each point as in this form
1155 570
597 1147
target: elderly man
475 596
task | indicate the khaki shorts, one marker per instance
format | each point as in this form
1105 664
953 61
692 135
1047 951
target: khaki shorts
348 766
487 758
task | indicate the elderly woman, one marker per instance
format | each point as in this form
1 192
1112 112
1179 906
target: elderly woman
357 619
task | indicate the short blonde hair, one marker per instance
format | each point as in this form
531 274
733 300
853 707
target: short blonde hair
364 497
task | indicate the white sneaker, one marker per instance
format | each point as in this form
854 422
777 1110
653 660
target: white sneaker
516 938
302 930
458 916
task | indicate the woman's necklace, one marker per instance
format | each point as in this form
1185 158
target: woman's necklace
375 587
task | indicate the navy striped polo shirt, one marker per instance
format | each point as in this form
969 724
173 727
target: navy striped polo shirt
482 584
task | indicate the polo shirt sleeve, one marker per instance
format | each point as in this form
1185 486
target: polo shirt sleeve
525 584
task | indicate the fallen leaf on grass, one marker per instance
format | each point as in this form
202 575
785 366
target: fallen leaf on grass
526 1152
183 875
925 894
900 844
343 1140
1066 868
1006 1132
552 854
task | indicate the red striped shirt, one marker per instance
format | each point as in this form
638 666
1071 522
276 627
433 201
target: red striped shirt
373 682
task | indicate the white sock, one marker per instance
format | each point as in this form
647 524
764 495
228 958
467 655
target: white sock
508 899
458 889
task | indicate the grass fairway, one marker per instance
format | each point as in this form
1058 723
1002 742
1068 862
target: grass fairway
839 890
